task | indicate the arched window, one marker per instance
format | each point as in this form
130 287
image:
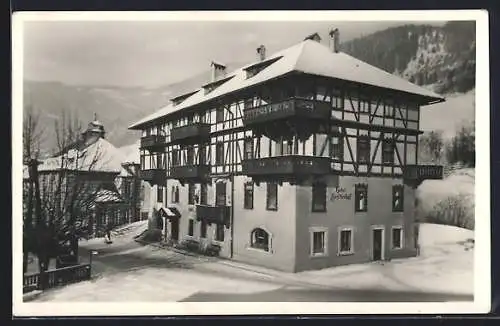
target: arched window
260 239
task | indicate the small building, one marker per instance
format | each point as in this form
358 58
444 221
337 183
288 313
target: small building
302 160
91 179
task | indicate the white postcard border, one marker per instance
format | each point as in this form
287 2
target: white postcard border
482 277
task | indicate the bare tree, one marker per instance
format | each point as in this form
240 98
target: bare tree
431 147
32 138
462 147
67 195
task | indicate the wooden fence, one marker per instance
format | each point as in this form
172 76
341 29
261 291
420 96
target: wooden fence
58 277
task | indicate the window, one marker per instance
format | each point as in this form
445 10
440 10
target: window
248 103
363 149
159 161
318 242
190 155
190 227
219 232
279 148
175 157
337 148
144 216
220 194
248 195
203 229
219 115
319 197
397 198
159 194
191 194
248 153
259 239
397 237
389 110
126 188
272 196
202 154
345 242
361 197
388 151
203 194
219 153
175 194
287 147
364 106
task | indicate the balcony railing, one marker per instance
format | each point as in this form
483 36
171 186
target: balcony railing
420 173
291 108
154 176
287 165
190 133
188 172
214 214
153 142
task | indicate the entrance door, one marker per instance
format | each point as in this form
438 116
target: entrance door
377 244
175 228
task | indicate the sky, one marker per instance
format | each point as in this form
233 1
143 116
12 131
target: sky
155 53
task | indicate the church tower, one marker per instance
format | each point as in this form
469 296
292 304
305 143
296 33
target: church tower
95 130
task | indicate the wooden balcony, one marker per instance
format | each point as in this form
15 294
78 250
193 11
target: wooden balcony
153 142
290 165
189 134
193 173
154 176
214 214
294 109
416 174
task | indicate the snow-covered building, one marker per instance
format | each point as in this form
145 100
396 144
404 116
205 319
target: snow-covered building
94 174
304 159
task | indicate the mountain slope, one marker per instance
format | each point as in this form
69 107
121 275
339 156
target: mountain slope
442 56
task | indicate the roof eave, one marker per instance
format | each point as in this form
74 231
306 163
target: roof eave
139 126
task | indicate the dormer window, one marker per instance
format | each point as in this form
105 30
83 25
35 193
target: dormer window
258 67
210 87
181 98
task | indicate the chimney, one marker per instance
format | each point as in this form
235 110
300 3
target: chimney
218 70
261 53
334 40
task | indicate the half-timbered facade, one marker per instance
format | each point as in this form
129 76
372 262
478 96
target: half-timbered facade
301 160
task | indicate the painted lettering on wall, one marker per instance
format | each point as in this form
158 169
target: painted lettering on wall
340 193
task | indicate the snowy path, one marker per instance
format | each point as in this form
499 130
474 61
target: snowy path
128 271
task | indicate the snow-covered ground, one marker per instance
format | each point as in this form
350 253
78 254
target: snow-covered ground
460 183
443 266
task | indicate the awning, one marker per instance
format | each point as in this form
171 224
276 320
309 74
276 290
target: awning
169 212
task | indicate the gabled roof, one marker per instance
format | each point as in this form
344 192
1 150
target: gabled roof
309 57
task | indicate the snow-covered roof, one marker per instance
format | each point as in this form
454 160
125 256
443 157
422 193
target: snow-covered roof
101 156
107 196
131 153
308 57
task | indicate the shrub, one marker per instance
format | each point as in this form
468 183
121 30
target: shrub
151 235
455 210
